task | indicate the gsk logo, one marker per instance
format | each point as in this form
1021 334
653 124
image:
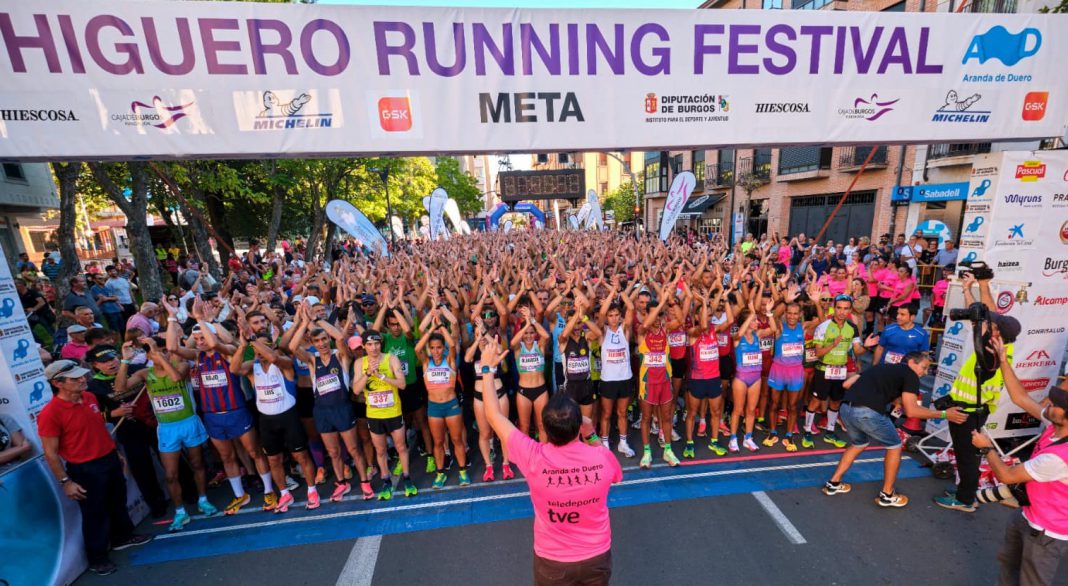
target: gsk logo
395 114
1034 106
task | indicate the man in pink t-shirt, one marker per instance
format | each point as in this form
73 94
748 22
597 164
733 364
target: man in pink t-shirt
568 481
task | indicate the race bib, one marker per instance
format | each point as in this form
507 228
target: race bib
810 355
380 399
835 373
214 379
269 393
655 360
438 376
676 339
404 367
792 349
723 340
531 362
327 384
597 363
766 344
751 358
707 353
168 403
615 355
894 357
578 364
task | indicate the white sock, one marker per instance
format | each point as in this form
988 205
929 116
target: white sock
285 492
203 499
809 418
179 511
235 484
312 490
832 418
268 486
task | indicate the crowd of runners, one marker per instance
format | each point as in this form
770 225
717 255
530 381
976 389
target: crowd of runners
351 371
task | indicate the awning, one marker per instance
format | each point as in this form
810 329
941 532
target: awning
696 206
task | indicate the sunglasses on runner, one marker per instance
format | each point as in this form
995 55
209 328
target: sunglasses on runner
844 297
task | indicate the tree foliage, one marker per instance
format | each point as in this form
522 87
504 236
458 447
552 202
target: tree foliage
459 185
621 201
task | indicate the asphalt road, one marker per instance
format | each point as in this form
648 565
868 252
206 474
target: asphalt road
725 522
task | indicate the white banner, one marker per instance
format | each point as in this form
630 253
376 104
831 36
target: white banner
452 211
680 191
1016 220
434 204
356 223
124 79
595 219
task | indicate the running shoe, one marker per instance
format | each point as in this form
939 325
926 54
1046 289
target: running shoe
133 540
431 465
283 503
236 504
723 429
386 492
832 438
506 472
732 446
320 476
660 439
409 487
604 442
313 500
487 476
647 459
206 508
831 489
291 484
368 492
949 502
788 443
464 478
371 472
771 440
439 480
104 568
180 521
624 448
675 435
702 428
638 423
717 449
670 458
654 426
340 490
270 501
891 500
806 441
688 451
760 424
398 470
751 445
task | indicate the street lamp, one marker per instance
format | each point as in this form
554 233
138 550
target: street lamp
383 174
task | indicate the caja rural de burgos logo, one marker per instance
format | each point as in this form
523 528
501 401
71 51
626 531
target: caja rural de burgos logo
157 114
871 108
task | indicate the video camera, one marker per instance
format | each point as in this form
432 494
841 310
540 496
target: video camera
975 313
979 269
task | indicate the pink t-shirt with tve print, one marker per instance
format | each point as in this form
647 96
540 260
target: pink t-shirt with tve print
569 489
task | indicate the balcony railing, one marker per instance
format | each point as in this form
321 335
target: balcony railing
946 149
758 167
854 157
719 175
993 6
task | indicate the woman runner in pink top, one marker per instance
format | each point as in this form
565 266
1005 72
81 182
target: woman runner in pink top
568 478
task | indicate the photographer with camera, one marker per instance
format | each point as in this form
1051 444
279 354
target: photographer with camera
977 388
1035 541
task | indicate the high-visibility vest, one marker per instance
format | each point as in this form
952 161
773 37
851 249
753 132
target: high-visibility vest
964 386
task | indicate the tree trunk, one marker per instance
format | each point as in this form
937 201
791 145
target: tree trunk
67 174
317 223
276 216
136 211
331 235
203 247
213 203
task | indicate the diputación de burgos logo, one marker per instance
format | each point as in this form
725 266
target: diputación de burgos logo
686 108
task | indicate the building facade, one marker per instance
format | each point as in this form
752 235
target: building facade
26 191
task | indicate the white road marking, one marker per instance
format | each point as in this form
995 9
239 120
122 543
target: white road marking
360 567
276 520
779 517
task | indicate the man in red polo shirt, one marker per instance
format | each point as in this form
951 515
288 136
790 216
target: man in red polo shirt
72 430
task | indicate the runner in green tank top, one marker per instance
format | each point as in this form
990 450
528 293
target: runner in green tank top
166 383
